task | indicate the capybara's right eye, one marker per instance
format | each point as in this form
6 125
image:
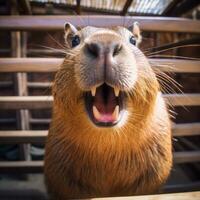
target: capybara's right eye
75 40
132 40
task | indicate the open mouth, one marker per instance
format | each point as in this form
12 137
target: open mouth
104 105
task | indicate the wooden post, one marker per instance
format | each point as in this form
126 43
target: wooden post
18 47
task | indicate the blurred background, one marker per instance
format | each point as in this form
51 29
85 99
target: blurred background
19 182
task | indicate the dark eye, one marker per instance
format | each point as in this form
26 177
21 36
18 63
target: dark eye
132 40
75 40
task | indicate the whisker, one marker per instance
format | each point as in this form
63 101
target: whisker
51 48
52 38
173 56
167 78
171 48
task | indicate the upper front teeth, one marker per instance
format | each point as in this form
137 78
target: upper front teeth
93 91
116 90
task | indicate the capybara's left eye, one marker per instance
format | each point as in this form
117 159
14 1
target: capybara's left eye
75 40
132 40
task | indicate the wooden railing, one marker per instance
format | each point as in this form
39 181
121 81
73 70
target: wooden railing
42 102
39 23
52 65
43 65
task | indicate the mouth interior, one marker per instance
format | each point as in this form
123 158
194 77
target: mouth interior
104 105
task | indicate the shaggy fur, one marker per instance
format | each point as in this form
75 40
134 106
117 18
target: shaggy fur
133 157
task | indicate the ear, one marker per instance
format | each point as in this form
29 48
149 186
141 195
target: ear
69 30
136 32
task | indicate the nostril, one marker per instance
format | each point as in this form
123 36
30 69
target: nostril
117 49
93 49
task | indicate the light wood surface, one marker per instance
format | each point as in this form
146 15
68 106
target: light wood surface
23 136
187 156
52 65
186 129
39 23
182 99
174 196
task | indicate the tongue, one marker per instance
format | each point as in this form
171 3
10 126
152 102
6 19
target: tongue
106 118
105 108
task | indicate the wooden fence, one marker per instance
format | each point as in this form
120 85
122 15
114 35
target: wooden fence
24 65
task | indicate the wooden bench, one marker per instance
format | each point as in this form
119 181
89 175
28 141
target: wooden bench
43 65
177 196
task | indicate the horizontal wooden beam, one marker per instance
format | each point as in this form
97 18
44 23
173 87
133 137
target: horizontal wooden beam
186 157
25 102
21 167
39 121
177 196
6 84
52 65
39 23
176 65
25 136
39 85
42 52
43 102
182 99
186 129
30 64
35 136
183 187
7 120
37 166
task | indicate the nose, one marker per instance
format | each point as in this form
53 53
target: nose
97 49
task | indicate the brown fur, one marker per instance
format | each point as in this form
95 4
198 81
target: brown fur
84 161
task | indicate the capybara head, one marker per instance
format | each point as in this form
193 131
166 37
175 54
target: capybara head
105 81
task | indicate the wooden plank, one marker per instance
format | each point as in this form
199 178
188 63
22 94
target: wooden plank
39 85
26 6
17 137
78 7
25 102
194 186
126 7
40 121
160 24
30 136
52 65
177 196
182 99
170 8
30 64
187 129
36 166
18 49
186 157
7 120
21 166
39 102
183 7
43 52
176 65
6 84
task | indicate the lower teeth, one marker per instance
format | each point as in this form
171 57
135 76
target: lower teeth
103 117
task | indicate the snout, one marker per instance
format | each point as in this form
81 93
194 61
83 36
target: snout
103 51
104 56
106 59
